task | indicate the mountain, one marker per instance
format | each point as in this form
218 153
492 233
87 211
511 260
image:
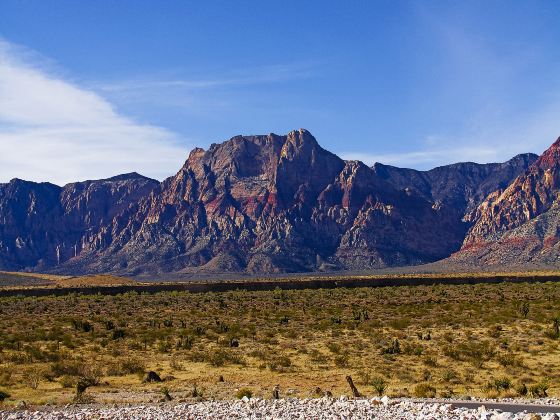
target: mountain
521 223
43 225
462 186
258 204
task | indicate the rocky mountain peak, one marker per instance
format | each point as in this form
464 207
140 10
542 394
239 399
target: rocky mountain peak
550 158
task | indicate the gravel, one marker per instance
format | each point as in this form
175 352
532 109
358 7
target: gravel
255 408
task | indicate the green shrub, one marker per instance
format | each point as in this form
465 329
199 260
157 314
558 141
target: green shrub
379 384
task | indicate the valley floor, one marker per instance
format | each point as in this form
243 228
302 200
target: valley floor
449 341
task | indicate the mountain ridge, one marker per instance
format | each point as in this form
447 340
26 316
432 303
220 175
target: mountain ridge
254 204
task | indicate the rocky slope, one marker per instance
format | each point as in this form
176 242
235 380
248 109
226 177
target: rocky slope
462 186
259 204
519 224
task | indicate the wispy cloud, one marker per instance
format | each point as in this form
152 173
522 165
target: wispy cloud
426 159
493 141
254 76
54 130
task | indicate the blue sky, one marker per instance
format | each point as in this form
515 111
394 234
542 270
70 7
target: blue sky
93 88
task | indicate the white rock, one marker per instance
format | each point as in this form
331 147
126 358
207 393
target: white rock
503 416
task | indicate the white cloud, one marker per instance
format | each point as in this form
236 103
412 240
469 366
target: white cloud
54 130
492 141
427 159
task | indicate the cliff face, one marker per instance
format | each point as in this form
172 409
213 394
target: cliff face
43 225
519 224
258 204
462 186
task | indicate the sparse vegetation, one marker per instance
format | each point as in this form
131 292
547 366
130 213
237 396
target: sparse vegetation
422 341
424 391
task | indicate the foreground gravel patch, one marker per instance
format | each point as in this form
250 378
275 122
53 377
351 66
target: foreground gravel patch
324 408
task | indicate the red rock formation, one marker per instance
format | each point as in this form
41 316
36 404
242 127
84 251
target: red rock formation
530 195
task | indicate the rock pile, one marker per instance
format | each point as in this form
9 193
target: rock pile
255 408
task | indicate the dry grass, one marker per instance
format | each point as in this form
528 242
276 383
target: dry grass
18 279
475 340
94 280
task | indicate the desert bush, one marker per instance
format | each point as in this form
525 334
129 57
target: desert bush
166 395
334 347
118 334
317 357
521 389
221 357
196 392
81 325
447 393
394 348
67 381
554 332
68 367
164 346
132 365
379 384
524 309
539 390
279 362
244 392
430 361
175 364
496 331
424 391
412 350
185 342
342 360
400 323
448 375
5 376
500 384
4 396
32 377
